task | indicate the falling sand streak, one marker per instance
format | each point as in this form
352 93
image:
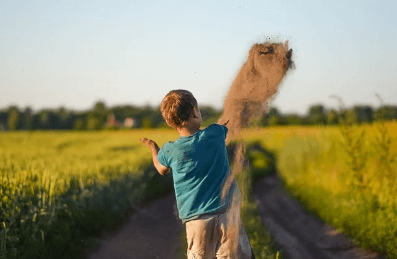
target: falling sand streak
249 97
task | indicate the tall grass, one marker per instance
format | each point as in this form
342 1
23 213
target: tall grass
347 175
59 188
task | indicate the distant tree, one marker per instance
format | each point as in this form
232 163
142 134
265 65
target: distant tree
274 120
3 119
93 123
291 119
13 118
156 117
121 112
361 114
345 116
271 118
79 124
97 117
317 114
64 118
386 112
273 111
27 119
99 107
209 115
47 119
149 117
332 117
146 123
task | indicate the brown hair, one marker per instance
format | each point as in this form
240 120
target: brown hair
177 106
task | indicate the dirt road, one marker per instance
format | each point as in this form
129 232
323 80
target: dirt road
297 233
152 232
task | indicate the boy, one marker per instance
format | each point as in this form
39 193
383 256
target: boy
200 168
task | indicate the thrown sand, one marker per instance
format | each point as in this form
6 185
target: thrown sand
255 85
248 97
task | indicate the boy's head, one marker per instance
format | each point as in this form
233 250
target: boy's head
177 107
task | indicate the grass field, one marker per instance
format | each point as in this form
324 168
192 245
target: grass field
346 175
59 188
67 154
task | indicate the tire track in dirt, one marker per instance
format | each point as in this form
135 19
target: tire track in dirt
152 232
297 233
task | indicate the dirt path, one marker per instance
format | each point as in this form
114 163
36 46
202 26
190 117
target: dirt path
296 233
152 232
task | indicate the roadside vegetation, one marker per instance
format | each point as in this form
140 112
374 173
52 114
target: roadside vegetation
60 189
346 174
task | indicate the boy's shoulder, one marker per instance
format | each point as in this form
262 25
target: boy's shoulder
215 126
167 144
220 129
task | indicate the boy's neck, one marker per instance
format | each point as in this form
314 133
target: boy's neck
192 125
187 131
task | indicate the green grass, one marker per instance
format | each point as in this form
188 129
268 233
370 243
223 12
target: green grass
347 176
60 188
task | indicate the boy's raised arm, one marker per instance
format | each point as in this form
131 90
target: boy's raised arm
155 150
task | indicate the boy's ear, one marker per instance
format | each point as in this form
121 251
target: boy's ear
169 124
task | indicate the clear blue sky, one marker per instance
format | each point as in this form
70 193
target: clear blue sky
74 53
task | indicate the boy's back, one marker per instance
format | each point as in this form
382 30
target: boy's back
199 166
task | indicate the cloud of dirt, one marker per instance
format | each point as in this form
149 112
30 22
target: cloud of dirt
249 97
255 85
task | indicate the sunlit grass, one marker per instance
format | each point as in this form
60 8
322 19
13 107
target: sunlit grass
57 188
73 153
347 176
46 176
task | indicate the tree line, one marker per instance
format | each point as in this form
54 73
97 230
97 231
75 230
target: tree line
103 117
97 118
318 115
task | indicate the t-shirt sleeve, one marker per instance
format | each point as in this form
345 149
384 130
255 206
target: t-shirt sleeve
224 130
163 158
219 129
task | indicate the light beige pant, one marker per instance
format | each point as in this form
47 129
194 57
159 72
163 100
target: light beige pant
218 236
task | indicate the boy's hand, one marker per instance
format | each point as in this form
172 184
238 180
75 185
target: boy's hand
150 144
155 150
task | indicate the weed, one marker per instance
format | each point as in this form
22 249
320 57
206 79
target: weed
386 160
354 146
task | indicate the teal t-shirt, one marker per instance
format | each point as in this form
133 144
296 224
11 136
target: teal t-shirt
199 166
